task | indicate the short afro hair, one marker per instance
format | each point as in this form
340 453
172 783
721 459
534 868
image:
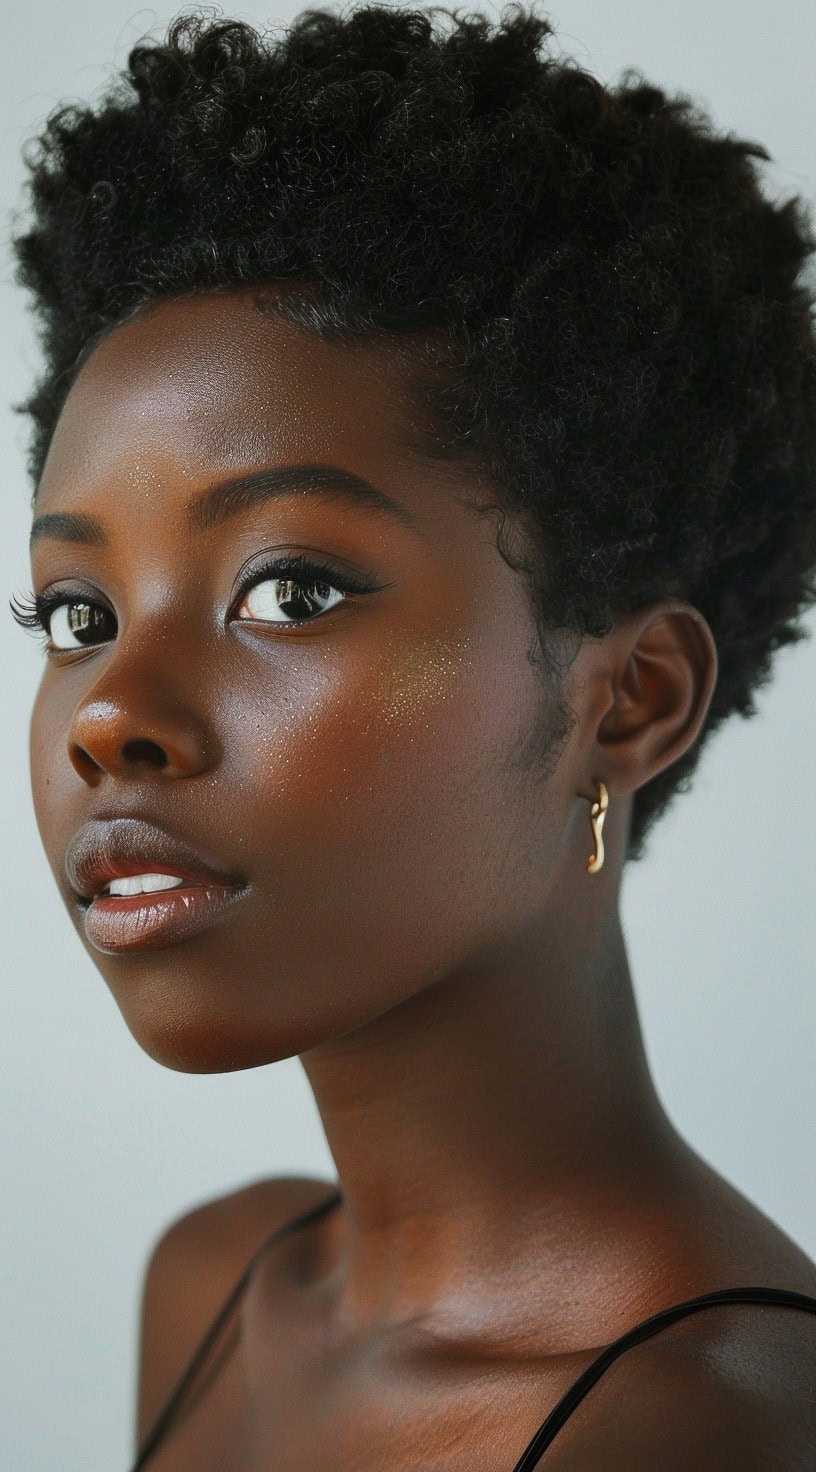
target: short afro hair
635 355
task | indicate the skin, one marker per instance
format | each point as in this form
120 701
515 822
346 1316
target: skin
420 929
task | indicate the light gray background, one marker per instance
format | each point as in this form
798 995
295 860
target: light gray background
101 1147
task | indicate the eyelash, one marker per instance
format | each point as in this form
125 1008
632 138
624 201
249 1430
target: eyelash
35 612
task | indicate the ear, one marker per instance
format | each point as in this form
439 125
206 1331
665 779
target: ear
658 670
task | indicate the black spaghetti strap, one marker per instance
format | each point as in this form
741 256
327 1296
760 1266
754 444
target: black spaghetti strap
546 1433
164 1420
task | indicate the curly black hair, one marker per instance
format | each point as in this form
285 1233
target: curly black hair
631 345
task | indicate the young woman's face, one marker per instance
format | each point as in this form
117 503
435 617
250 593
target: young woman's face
335 769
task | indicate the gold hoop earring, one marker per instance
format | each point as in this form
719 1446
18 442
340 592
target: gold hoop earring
597 815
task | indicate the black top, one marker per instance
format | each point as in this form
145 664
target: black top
548 1430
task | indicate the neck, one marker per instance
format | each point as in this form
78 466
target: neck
488 1115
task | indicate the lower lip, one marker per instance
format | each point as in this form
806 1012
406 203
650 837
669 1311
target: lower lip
147 922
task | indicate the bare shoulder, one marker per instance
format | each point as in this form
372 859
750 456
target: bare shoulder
730 1390
192 1268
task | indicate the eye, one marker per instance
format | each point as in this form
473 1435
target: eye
279 600
76 625
68 623
296 590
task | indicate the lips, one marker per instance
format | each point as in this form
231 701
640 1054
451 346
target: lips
160 913
114 849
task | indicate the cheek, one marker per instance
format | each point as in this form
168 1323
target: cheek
351 740
52 777
382 805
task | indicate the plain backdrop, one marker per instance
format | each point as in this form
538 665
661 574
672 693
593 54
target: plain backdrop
101 1147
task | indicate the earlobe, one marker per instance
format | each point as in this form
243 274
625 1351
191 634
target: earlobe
662 676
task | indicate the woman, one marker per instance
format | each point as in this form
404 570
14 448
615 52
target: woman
425 466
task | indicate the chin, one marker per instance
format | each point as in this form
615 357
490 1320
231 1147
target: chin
183 1027
200 1008
190 1046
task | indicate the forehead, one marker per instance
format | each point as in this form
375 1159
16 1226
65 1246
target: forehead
212 382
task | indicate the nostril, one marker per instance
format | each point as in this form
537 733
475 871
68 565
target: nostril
145 751
89 770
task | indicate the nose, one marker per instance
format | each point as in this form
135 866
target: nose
137 726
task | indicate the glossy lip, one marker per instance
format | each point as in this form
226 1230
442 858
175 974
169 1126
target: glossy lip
116 848
148 922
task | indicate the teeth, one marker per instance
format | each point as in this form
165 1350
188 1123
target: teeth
143 884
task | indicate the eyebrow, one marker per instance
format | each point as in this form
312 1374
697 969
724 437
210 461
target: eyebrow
67 528
234 496
229 498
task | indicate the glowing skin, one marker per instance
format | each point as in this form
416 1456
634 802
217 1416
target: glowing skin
415 918
339 766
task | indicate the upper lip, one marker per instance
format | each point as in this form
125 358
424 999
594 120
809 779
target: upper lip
102 850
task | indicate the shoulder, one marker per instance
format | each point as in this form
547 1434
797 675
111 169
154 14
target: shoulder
732 1388
192 1268
229 1228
